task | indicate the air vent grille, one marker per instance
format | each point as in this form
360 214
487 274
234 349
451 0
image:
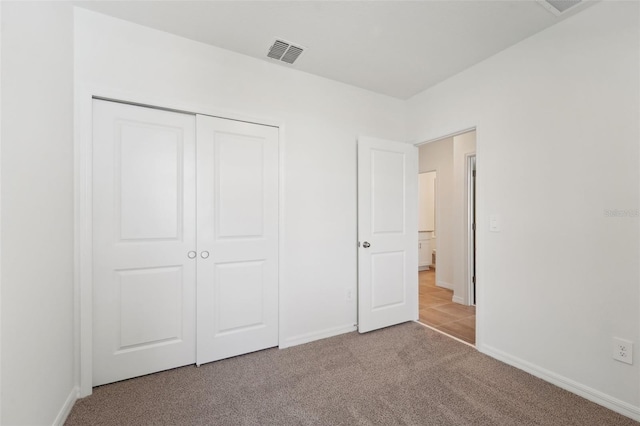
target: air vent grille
284 51
277 50
291 54
558 7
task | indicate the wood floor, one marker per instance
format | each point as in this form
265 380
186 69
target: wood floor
438 311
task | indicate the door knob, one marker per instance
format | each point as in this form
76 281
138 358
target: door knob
204 254
366 244
192 254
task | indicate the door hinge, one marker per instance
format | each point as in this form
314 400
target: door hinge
474 173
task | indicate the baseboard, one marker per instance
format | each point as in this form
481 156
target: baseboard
457 299
572 386
424 268
444 284
322 334
66 407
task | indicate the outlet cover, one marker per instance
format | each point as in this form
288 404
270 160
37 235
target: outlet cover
623 350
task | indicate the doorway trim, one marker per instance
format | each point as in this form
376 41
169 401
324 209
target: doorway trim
447 136
470 163
83 215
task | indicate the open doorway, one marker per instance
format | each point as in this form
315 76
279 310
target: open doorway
447 292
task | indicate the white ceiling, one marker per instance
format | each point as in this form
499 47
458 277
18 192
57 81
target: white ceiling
397 48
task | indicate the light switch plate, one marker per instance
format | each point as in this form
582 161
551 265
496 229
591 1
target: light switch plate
495 224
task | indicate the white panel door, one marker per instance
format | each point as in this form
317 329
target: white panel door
143 229
237 238
387 230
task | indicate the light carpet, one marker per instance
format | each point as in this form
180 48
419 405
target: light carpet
401 375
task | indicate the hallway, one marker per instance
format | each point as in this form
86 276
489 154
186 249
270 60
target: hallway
438 311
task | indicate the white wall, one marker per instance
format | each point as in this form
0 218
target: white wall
438 156
557 144
37 212
0 212
322 120
427 202
426 219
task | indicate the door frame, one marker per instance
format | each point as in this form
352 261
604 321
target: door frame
466 207
83 215
470 204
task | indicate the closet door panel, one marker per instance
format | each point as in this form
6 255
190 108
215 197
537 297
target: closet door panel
238 235
240 186
185 235
143 228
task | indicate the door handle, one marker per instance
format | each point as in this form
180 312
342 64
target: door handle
366 244
204 254
192 255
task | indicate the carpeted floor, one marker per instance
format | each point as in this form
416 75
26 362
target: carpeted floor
402 375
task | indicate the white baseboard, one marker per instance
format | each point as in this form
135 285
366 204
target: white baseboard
424 268
66 407
444 284
572 386
322 334
458 299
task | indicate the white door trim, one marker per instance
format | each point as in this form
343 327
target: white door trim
469 161
447 136
83 199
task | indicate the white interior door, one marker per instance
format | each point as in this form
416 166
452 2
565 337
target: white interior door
144 226
387 233
237 238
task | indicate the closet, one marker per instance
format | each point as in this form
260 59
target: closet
185 239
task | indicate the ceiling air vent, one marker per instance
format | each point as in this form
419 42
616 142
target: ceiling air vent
558 7
284 51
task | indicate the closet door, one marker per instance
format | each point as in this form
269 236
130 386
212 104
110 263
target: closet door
237 302
144 227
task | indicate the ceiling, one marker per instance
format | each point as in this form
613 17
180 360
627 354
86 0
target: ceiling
397 48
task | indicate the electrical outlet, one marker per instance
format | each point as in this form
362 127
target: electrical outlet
623 350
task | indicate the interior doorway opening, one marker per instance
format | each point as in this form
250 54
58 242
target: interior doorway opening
447 277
